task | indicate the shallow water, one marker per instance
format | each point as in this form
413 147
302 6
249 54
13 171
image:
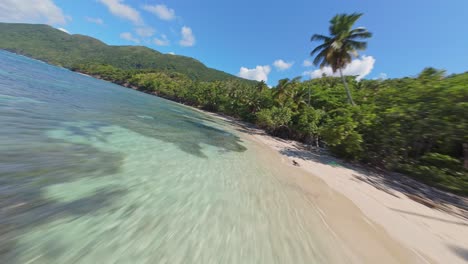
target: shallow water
91 172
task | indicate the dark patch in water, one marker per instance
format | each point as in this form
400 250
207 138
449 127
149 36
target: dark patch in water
29 170
30 161
187 134
89 132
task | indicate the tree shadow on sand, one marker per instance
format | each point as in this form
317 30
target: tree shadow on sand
461 252
460 223
389 182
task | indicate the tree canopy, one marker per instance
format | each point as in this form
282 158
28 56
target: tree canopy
415 125
343 43
51 45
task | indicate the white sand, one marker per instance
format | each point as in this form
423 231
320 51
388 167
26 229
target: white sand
432 234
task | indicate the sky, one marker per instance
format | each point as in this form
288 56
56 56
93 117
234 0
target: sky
267 40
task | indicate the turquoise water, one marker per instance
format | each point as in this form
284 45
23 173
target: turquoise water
91 172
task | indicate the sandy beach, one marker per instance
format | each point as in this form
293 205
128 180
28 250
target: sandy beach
376 216
405 221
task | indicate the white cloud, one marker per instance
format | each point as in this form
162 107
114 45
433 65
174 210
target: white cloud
359 67
163 41
118 8
307 63
281 65
128 36
96 20
145 31
171 53
381 76
259 73
32 11
64 30
162 11
188 39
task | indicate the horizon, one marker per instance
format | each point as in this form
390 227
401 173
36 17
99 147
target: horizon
187 29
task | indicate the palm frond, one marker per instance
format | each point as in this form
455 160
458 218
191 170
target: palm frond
342 23
296 79
358 30
357 45
353 18
362 35
318 48
318 37
321 57
338 49
282 84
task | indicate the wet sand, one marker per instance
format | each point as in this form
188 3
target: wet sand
151 182
371 224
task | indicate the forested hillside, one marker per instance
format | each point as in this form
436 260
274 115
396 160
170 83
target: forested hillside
415 125
56 47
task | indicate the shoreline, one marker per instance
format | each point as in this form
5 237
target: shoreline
435 231
372 221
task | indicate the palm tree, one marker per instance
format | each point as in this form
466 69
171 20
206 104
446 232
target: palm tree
284 87
261 86
337 49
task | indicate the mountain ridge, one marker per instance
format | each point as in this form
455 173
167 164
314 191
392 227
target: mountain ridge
56 47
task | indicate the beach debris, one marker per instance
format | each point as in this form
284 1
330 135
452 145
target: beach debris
334 164
295 163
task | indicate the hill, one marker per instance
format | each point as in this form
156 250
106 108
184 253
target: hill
51 45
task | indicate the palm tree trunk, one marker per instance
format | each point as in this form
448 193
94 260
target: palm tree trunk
465 154
348 93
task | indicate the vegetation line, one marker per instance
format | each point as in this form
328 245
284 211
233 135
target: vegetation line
415 125
411 125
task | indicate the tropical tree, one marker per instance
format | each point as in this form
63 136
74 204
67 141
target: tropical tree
261 86
283 90
343 43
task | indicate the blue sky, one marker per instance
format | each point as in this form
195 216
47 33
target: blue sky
247 37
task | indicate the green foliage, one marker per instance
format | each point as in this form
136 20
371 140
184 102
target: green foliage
341 135
307 123
337 49
343 43
56 47
441 161
414 125
274 118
